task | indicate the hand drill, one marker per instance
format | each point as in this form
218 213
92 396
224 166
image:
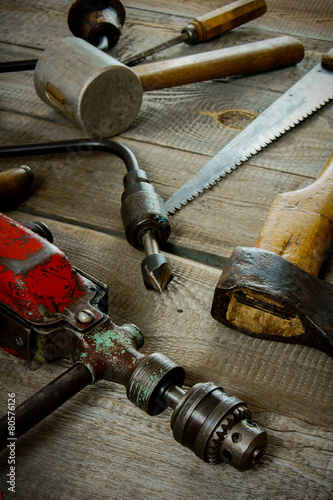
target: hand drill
144 216
51 310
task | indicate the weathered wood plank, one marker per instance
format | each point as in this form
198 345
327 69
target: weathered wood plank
187 117
163 21
98 444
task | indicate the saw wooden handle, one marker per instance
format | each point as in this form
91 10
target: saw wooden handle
243 59
224 19
299 225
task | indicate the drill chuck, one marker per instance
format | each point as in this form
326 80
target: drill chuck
217 427
207 420
142 209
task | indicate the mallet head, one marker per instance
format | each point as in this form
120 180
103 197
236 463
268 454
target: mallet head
92 89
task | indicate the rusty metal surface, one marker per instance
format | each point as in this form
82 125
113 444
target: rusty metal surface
37 282
109 351
92 19
285 290
70 326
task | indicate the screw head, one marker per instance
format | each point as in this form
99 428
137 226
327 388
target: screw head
85 316
19 341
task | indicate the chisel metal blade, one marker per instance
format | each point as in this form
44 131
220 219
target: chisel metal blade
308 95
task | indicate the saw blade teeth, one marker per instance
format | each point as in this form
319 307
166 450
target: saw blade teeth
316 84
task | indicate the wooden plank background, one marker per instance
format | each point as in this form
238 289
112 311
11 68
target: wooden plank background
98 445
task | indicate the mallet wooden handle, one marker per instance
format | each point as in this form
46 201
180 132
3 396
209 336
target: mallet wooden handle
299 225
224 19
243 59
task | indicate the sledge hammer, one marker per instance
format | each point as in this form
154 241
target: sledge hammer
272 291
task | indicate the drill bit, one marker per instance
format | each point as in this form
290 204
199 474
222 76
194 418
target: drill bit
146 225
208 26
155 266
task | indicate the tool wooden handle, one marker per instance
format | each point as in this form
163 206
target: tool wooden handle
224 19
243 59
299 225
327 60
14 185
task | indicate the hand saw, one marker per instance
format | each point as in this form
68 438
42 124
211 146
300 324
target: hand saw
304 98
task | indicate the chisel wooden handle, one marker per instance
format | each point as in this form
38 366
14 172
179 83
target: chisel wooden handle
243 59
224 19
299 225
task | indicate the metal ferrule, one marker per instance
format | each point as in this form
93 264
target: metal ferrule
149 380
192 34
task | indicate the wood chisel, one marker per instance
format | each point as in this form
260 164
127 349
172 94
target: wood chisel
308 95
208 26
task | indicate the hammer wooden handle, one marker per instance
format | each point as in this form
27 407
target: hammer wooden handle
243 59
299 225
224 19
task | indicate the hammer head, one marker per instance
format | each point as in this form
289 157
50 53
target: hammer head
261 294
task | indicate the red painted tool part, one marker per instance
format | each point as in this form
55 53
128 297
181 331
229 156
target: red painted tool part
36 279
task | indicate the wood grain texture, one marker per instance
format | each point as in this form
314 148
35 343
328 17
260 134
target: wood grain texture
298 226
256 57
98 445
